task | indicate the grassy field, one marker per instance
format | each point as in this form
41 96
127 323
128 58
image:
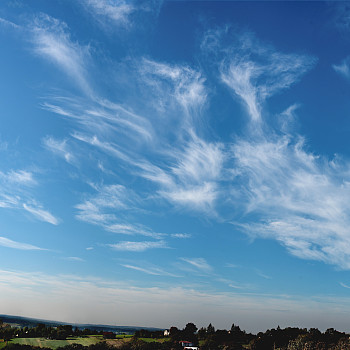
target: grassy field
153 340
54 344
123 336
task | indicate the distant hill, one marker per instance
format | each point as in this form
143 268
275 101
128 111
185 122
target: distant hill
33 322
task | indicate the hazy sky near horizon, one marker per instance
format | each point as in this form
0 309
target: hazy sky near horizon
165 162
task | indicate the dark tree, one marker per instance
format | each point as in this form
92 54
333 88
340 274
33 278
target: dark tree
190 328
210 329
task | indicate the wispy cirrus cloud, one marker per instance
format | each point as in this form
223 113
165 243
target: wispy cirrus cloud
4 22
155 271
297 198
343 68
196 174
19 177
103 118
271 170
60 148
52 41
199 263
192 180
287 192
114 12
341 17
175 83
99 209
8 243
138 246
74 258
17 187
254 71
40 213
344 285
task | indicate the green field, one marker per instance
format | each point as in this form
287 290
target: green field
123 336
153 340
54 344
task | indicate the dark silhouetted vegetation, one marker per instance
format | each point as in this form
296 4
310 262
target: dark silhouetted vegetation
206 338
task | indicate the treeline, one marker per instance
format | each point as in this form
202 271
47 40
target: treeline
291 338
41 330
207 338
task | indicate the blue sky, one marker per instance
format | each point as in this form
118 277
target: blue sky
172 162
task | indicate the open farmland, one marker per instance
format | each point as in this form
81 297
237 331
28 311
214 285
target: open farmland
54 344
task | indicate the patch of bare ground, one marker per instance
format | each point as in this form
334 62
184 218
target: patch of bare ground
117 342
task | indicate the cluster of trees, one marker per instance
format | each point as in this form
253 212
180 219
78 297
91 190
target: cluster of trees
41 330
300 339
236 339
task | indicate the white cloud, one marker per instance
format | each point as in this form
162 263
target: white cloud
52 41
156 271
18 177
296 197
22 177
341 15
16 187
193 180
181 235
5 242
138 246
199 263
60 148
111 208
173 83
195 197
41 214
200 161
10 24
252 70
102 117
100 209
117 12
8 201
344 285
74 258
343 68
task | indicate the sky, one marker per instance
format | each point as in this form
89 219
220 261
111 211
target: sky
166 162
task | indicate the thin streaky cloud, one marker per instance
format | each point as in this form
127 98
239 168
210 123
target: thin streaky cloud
344 285
60 148
137 268
156 271
19 177
116 12
299 197
199 263
41 214
51 40
138 246
263 275
254 71
181 235
175 83
74 258
10 24
8 243
102 117
343 68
